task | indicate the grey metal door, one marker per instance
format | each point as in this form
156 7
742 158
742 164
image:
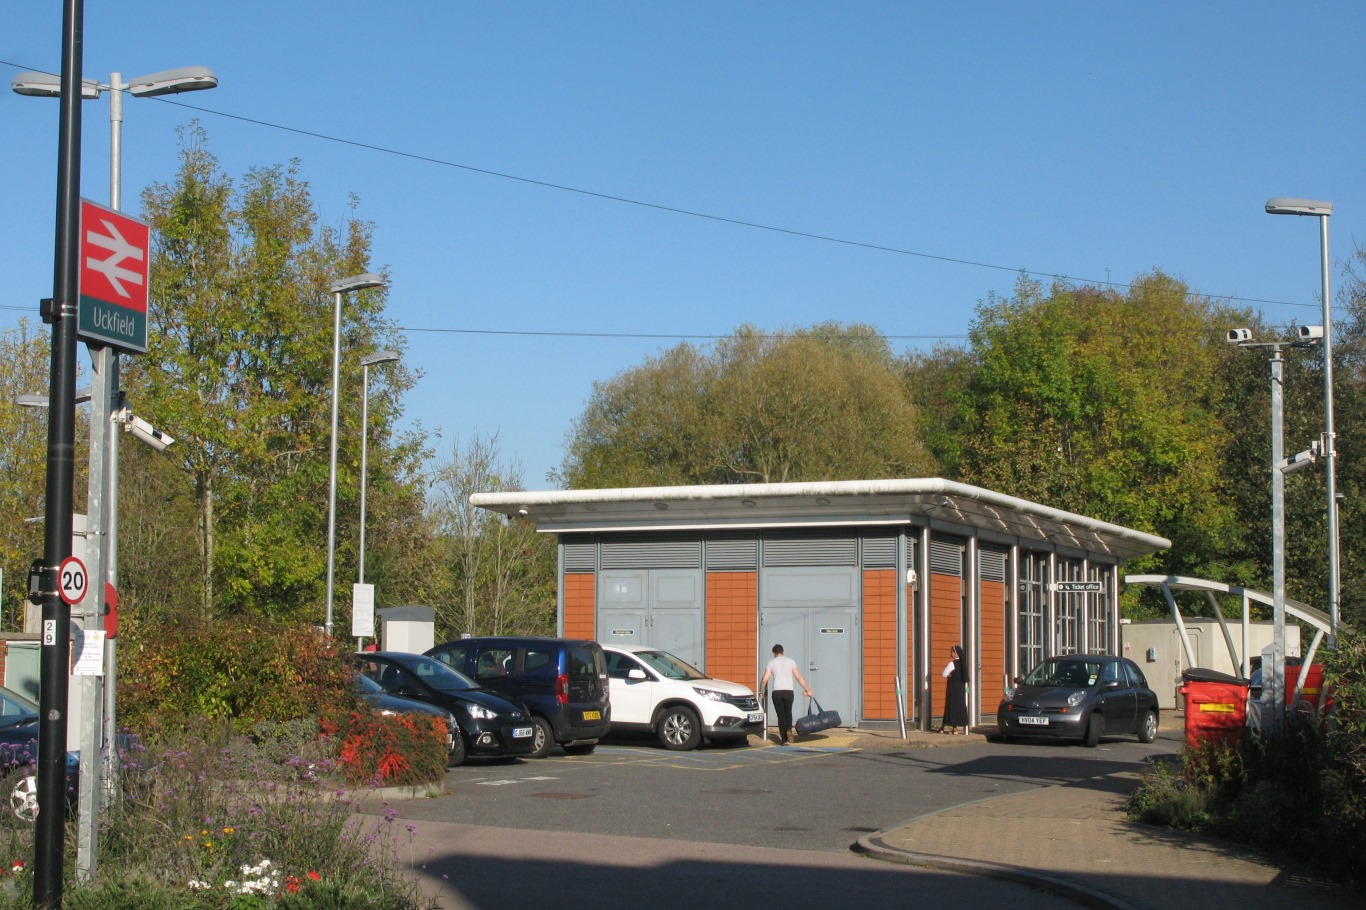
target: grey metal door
822 642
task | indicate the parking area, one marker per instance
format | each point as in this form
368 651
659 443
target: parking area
708 759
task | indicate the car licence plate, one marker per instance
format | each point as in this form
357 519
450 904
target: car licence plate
755 718
521 732
1031 721
592 715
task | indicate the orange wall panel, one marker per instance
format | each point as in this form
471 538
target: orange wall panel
580 602
733 626
993 657
879 644
946 630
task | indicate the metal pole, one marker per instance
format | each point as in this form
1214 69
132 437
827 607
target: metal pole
364 436
332 472
1330 445
55 656
1277 687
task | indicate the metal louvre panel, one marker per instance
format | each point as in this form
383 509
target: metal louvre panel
879 552
732 553
946 557
991 564
580 555
810 551
652 553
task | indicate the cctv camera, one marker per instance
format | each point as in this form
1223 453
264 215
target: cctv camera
1311 332
1299 461
147 433
1238 336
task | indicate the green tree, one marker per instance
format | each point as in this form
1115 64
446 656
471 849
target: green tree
825 403
239 371
24 368
1108 405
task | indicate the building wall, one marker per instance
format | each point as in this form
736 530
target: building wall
580 600
879 644
732 626
946 630
992 656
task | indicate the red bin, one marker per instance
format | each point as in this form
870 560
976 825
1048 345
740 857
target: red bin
1216 706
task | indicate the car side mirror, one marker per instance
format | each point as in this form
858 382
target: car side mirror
1112 684
637 674
1019 680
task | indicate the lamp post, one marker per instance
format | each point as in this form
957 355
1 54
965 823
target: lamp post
365 364
1280 466
1283 205
338 288
102 496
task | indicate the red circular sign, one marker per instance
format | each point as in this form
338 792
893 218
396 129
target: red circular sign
72 580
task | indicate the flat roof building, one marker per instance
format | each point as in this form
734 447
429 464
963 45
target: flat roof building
866 583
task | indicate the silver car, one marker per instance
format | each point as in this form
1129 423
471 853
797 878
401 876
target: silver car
1082 697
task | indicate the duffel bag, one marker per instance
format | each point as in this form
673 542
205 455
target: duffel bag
817 719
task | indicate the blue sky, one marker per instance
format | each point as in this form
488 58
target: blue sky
1079 139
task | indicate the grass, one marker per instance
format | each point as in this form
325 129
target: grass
218 821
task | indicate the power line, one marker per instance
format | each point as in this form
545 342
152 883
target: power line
674 210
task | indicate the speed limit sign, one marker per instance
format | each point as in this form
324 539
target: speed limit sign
72 581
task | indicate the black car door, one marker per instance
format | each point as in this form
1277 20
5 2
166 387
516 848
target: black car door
1118 697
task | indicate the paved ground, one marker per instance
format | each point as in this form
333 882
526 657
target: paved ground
1071 841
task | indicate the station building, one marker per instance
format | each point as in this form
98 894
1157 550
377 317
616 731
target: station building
867 584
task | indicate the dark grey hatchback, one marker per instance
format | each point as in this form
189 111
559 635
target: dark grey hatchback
1082 696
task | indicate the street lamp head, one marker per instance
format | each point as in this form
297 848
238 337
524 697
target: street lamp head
46 85
1286 205
41 401
380 357
356 283
172 82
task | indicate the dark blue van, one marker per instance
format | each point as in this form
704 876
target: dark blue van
562 682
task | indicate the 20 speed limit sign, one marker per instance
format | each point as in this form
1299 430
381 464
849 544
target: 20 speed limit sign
71 580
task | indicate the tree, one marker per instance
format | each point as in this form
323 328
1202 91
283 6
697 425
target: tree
239 371
501 572
1107 405
825 403
24 368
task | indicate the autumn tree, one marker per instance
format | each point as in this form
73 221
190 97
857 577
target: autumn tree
239 371
500 572
1108 405
824 403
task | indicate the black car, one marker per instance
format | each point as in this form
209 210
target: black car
373 694
490 725
1083 697
562 681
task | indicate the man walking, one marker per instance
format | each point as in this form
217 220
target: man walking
782 670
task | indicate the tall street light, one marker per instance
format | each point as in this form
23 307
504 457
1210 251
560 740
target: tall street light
102 497
365 364
1284 205
338 288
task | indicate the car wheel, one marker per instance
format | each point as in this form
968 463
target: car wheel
1147 731
458 752
580 749
1094 727
21 788
679 729
542 739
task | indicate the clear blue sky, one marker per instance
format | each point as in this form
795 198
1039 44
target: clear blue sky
1080 139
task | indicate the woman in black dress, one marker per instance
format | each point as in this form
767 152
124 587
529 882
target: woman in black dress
956 693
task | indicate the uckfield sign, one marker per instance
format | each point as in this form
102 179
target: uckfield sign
115 253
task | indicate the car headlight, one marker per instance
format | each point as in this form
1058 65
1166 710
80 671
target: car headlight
709 694
479 712
1076 698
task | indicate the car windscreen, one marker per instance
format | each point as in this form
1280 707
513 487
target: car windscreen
439 676
668 666
1071 674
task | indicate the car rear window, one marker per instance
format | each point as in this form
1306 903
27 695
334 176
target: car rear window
585 663
493 663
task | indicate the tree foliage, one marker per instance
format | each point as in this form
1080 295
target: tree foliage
239 371
500 574
825 403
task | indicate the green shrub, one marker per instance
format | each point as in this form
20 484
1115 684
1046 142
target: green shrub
244 671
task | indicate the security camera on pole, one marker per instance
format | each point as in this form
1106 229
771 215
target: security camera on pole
1273 688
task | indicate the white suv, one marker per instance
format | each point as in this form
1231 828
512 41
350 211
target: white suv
654 691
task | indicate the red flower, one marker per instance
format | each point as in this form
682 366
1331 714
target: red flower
314 876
